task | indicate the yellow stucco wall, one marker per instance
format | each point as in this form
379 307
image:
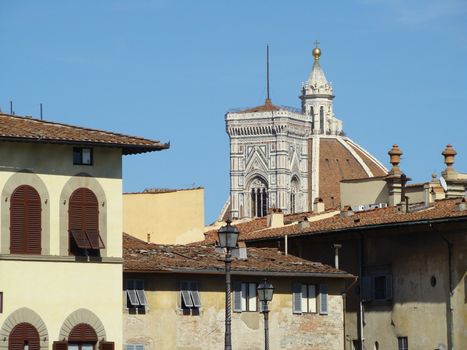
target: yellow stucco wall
53 285
165 327
175 217
368 191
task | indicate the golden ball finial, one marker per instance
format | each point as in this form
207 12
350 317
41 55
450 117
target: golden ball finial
316 53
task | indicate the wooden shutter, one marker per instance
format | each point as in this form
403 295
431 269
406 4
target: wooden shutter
25 221
21 333
388 287
323 299
297 298
237 297
365 288
83 218
106 345
82 332
60 345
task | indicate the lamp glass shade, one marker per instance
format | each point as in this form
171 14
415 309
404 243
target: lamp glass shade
265 291
228 236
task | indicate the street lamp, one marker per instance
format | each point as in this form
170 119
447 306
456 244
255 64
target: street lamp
265 292
228 236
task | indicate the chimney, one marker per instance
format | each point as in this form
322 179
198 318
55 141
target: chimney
462 205
240 252
394 177
304 224
275 218
318 205
346 212
454 183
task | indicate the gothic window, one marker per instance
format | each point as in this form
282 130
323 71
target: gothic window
294 189
259 198
321 119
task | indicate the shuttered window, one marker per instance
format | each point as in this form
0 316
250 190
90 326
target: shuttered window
82 333
83 223
305 299
24 334
244 297
377 287
189 297
106 345
25 221
136 296
60 345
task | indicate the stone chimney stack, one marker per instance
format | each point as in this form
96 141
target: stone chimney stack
318 206
455 184
275 218
394 177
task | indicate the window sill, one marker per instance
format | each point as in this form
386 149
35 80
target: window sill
59 258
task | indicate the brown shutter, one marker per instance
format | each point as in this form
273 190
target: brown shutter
106 345
82 332
60 345
25 221
24 332
83 216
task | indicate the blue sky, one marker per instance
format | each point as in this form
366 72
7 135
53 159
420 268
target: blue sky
169 70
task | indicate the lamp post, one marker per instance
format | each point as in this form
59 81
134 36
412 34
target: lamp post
228 236
265 292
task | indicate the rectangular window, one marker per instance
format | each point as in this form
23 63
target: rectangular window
134 347
136 297
403 343
82 156
377 287
244 297
190 300
305 298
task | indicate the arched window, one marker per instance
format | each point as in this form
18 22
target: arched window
259 198
83 223
294 190
321 119
82 337
25 221
24 337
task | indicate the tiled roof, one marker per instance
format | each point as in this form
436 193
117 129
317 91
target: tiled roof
442 209
26 129
140 256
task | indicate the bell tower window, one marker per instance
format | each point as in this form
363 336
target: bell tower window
259 198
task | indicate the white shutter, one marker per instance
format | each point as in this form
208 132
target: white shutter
252 297
141 297
323 299
195 294
311 298
185 294
304 298
131 293
244 295
237 297
297 298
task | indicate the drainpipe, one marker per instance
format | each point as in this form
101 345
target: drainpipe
286 239
336 254
449 310
360 313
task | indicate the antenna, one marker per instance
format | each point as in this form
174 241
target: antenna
41 110
267 71
11 107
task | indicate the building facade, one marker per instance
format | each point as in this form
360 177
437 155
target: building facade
174 298
60 234
287 158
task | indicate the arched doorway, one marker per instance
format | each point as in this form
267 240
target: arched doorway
24 337
82 337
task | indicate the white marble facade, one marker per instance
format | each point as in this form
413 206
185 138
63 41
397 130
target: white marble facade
269 146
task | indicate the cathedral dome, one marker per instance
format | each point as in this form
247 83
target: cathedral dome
338 158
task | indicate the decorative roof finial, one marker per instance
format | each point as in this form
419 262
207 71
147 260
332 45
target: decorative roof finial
449 153
395 158
316 50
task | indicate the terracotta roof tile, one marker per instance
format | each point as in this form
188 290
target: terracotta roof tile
148 257
15 128
377 217
257 229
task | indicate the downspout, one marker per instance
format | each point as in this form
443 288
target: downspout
360 313
449 310
286 241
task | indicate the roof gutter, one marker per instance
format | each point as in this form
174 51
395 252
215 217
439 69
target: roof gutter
248 273
364 228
